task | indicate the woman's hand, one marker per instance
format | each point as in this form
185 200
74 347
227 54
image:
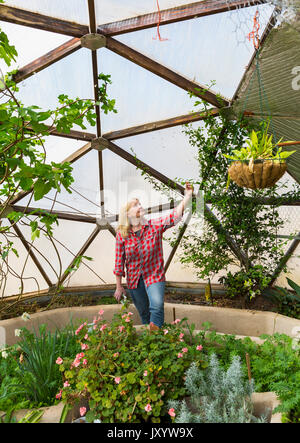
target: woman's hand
118 293
188 189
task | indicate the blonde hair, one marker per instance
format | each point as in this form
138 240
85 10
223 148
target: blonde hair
124 223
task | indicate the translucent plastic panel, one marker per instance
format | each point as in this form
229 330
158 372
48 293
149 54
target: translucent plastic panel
71 76
141 96
85 196
122 182
209 49
18 270
25 41
168 151
60 148
55 257
99 270
73 11
113 10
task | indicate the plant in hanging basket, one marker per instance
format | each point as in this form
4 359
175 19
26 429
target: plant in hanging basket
256 165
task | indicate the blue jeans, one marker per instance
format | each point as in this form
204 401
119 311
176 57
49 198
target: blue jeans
149 302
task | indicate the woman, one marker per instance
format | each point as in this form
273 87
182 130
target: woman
139 245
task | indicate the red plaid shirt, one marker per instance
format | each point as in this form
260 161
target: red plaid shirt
144 254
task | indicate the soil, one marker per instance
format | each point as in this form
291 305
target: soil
62 301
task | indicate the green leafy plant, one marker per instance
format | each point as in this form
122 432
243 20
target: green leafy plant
260 146
288 302
275 366
34 375
23 160
126 376
216 395
248 284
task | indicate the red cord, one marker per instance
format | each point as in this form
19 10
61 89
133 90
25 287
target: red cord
159 19
254 35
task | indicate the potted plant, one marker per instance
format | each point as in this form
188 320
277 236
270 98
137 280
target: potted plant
257 165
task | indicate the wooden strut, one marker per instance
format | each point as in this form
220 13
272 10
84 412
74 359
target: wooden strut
172 15
183 12
31 253
285 259
82 250
165 73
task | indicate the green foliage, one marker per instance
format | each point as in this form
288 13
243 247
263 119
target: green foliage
7 51
288 302
23 162
248 284
121 371
32 376
260 146
216 395
275 365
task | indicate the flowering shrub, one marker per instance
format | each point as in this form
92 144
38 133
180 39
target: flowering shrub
127 376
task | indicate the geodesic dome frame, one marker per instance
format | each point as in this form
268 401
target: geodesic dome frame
87 35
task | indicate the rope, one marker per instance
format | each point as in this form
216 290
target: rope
158 24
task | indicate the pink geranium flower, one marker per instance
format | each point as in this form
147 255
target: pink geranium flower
145 373
127 320
101 312
121 328
84 361
171 412
181 335
58 396
117 380
199 348
148 408
84 346
59 361
116 354
165 331
103 327
66 384
184 349
175 322
179 355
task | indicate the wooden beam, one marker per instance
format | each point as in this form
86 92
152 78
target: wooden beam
31 253
92 16
141 129
61 215
47 60
183 12
74 135
161 124
40 21
178 240
82 250
285 259
136 162
165 73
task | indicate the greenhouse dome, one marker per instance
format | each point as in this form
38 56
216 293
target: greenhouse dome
147 67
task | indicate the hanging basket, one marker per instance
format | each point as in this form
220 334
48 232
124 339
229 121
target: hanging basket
257 174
